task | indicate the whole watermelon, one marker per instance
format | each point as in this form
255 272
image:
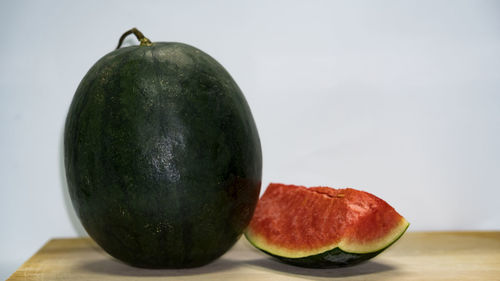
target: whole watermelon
162 155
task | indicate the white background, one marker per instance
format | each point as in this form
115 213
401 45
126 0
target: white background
398 98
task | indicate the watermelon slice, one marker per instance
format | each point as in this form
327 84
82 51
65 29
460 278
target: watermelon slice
323 227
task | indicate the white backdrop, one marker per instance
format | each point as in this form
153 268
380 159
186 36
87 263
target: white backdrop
401 99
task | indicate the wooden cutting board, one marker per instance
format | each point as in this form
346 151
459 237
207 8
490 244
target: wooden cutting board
416 256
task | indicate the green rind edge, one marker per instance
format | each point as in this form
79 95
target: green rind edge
333 258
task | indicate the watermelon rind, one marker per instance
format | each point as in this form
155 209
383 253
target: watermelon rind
344 253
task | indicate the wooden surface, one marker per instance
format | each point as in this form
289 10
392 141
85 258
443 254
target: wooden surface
416 256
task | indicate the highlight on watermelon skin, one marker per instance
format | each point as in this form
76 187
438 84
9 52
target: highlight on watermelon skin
323 227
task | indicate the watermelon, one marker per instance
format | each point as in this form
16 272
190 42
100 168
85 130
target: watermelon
163 159
323 227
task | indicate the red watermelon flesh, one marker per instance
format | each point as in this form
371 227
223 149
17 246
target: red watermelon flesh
295 222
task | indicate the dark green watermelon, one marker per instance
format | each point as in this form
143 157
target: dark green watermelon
162 155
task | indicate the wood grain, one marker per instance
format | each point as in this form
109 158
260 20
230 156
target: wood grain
416 256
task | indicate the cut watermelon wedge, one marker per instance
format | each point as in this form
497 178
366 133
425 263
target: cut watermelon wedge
323 227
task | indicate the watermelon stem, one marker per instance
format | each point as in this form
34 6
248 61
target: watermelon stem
142 39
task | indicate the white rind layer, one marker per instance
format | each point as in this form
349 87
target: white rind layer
345 245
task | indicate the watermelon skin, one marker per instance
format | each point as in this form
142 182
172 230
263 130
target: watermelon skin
330 259
163 159
357 212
